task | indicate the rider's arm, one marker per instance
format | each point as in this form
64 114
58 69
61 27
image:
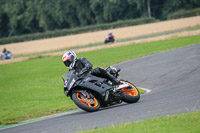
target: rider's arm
86 63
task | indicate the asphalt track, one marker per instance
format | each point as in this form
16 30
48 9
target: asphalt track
173 77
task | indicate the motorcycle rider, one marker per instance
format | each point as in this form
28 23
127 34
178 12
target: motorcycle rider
80 65
109 35
6 54
4 51
109 38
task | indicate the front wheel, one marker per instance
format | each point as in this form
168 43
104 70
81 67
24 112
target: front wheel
89 103
131 94
113 40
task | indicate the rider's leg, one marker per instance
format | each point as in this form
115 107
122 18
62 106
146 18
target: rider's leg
103 73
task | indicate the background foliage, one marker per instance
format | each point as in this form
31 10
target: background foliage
19 17
63 32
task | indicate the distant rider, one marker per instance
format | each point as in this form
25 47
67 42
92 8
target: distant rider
6 54
109 35
80 65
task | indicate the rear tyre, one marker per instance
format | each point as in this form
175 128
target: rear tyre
87 104
2 57
130 95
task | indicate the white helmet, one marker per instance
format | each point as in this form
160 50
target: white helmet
69 59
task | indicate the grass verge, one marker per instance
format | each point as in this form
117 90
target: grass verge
181 123
34 88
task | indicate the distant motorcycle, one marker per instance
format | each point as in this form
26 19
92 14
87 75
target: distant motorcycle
90 92
6 56
109 39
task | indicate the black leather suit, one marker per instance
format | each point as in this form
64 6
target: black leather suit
83 63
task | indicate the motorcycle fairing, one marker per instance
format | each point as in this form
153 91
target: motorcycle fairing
88 81
95 84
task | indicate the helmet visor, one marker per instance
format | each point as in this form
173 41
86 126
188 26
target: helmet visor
69 61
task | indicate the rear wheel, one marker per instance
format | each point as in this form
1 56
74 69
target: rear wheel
105 41
89 103
131 94
2 57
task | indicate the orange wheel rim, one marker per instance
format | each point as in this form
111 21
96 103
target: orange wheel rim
86 101
130 92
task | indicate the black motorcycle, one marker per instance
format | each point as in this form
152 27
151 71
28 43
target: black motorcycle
90 92
6 56
109 39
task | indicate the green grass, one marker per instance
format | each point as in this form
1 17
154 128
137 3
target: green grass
34 88
181 123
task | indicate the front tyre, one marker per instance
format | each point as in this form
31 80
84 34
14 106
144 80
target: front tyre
131 94
113 40
87 104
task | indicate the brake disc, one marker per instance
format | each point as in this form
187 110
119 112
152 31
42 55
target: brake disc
90 101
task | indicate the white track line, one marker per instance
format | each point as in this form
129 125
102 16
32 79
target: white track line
145 89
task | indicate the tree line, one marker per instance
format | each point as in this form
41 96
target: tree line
19 17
